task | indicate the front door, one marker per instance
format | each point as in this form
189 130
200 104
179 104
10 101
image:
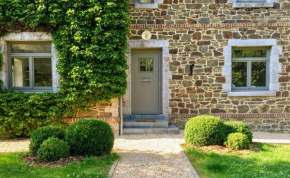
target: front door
146 82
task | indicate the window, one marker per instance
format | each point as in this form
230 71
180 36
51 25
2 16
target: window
147 4
250 69
146 1
252 3
30 66
146 65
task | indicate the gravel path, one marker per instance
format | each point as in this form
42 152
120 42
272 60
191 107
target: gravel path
151 156
8 146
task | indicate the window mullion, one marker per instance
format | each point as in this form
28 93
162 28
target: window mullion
31 72
249 74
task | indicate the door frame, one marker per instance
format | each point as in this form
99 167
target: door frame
160 81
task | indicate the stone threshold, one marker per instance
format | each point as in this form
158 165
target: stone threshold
215 25
241 115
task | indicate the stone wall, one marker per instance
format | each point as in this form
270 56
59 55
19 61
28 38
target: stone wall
279 123
107 111
197 32
202 93
102 109
208 12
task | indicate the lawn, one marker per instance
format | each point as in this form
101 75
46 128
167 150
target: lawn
12 166
272 161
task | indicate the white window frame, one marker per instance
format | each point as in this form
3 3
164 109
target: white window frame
139 5
252 3
274 66
249 61
27 37
30 57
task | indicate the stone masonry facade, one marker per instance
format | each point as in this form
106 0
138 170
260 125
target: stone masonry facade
197 32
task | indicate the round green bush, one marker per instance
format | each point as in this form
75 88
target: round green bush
238 127
204 130
238 141
53 149
90 137
43 133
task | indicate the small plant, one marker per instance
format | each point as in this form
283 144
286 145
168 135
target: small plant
43 133
90 137
53 149
238 127
238 141
204 130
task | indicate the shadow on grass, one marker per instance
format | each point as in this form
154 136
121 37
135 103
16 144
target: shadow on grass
271 162
11 166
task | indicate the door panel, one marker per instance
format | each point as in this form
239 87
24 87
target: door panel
146 83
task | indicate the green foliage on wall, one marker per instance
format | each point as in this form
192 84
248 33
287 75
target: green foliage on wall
91 38
1 65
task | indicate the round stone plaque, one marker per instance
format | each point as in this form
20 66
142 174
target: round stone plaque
146 35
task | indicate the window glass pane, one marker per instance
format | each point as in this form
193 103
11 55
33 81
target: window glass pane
249 53
20 72
42 72
149 61
143 68
146 1
142 61
150 68
31 48
239 74
258 74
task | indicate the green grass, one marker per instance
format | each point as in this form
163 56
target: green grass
272 161
12 166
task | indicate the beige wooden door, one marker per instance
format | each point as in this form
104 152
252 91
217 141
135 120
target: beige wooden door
146 82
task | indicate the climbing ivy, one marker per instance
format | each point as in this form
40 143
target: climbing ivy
91 38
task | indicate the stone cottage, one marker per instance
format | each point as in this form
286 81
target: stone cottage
228 58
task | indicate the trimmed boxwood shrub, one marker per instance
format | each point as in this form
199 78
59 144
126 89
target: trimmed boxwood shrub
53 149
90 137
204 130
240 127
238 141
43 133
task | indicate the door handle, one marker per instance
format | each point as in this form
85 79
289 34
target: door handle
146 80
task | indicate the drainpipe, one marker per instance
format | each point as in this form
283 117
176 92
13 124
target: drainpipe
121 115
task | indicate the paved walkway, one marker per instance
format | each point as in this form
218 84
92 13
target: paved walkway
264 137
151 156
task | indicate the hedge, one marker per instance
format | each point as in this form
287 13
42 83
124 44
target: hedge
91 38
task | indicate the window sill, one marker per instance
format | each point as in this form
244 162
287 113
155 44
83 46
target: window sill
252 93
252 5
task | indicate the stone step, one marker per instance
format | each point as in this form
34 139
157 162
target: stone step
157 117
134 123
151 130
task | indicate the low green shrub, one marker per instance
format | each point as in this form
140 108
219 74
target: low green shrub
42 134
90 137
204 130
240 127
238 141
22 113
53 149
